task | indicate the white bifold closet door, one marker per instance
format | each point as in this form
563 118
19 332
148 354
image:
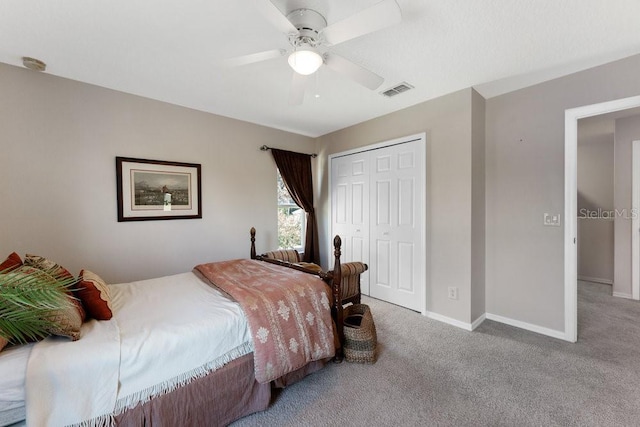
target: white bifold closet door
378 209
350 208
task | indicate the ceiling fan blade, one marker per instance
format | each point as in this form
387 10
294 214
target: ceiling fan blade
254 57
355 72
298 86
374 18
273 15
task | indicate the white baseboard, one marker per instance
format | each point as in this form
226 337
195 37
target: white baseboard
528 326
478 321
450 321
596 280
622 295
507 321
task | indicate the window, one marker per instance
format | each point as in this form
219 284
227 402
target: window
291 220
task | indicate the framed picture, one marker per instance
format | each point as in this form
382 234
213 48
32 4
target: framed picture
155 189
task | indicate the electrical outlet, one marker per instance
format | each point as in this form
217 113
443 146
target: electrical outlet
453 292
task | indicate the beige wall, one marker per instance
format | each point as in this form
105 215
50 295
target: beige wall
59 143
595 194
525 179
595 164
626 131
478 219
596 250
60 138
448 126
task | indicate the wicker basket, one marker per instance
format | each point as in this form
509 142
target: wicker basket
360 334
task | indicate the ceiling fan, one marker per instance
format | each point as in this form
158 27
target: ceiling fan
310 38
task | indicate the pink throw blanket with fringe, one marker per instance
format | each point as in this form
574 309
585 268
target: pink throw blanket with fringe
288 311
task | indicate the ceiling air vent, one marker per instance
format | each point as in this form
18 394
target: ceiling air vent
397 89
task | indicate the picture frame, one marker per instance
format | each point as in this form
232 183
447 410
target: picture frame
157 189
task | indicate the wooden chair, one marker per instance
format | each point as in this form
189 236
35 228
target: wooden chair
350 272
287 255
350 283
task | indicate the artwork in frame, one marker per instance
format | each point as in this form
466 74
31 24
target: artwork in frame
156 189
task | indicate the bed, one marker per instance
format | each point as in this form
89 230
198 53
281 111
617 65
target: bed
139 371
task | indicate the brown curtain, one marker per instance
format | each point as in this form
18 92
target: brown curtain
295 169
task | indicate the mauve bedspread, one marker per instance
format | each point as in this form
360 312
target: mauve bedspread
288 311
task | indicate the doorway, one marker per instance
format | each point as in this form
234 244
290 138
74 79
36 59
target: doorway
596 201
571 206
635 220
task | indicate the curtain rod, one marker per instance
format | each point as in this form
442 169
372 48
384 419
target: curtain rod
265 148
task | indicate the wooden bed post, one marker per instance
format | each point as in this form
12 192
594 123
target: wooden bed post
253 242
337 299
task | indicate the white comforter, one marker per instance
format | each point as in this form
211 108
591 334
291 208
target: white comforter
164 333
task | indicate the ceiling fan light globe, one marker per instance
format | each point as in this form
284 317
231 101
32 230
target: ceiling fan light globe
305 62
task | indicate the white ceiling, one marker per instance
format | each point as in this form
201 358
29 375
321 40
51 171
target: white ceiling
171 50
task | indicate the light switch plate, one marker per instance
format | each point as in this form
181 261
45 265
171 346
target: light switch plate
551 220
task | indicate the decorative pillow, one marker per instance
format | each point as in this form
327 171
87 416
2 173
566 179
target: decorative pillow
44 264
69 316
310 266
13 261
69 319
64 321
95 296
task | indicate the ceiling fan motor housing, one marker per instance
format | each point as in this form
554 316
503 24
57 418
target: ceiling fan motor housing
309 23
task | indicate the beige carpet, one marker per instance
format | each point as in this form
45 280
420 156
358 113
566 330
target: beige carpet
430 373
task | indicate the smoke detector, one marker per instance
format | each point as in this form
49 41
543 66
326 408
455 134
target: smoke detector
33 64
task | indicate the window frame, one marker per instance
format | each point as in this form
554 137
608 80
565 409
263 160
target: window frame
291 204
